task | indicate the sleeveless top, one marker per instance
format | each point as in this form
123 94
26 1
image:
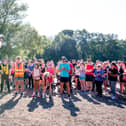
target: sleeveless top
77 72
82 72
36 72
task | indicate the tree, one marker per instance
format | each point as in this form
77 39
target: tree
11 15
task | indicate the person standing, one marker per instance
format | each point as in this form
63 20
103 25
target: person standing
0 71
113 74
89 75
99 77
5 76
77 73
30 69
36 78
64 69
70 75
123 78
19 75
82 77
51 70
105 68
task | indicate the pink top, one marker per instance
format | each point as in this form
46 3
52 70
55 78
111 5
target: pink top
50 70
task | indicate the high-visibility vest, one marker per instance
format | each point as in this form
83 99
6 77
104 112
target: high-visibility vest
19 71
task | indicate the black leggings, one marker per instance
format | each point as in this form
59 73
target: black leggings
31 81
99 87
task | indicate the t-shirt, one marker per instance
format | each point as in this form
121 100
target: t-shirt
31 67
99 77
50 70
5 69
64 73
89 67
26 65
71 69
113 72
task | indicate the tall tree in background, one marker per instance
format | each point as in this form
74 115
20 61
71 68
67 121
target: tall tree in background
63 45
11 15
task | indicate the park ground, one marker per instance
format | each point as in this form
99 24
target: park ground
83 110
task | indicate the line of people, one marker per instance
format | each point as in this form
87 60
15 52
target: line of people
90 77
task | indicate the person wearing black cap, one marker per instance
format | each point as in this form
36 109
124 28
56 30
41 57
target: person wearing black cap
64 69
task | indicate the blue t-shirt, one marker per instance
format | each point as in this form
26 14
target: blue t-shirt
30 67
64 73
99 78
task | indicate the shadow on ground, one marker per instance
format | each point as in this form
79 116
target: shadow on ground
9 104
35 102
69 105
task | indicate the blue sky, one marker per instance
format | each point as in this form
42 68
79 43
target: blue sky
51 16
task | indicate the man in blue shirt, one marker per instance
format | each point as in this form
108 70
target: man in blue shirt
64 69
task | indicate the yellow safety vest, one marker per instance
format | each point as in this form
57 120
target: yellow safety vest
5 69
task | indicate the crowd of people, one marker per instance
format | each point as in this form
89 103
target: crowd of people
70 77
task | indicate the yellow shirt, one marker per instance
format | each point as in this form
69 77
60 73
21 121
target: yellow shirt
5 69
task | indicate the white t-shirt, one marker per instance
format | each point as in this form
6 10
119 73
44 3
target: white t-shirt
36 72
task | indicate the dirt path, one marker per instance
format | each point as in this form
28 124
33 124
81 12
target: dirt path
84 110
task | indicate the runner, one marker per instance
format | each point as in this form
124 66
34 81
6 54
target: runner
0 71
30 69
5 76
19 75
89 75
82 77
123 78
70 75
43 78
105 68
26 75
99 74
64 69
12 73
113 74
51 69
36 78
77 73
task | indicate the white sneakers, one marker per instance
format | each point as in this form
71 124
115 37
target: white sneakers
43 95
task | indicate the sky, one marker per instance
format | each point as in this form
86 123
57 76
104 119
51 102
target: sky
49 17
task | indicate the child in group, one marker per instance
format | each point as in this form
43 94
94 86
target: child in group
36 78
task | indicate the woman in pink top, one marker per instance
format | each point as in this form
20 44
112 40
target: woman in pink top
51 70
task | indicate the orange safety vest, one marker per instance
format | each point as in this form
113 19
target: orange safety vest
19 71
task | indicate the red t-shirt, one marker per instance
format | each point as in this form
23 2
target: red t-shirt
89 67
71 69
